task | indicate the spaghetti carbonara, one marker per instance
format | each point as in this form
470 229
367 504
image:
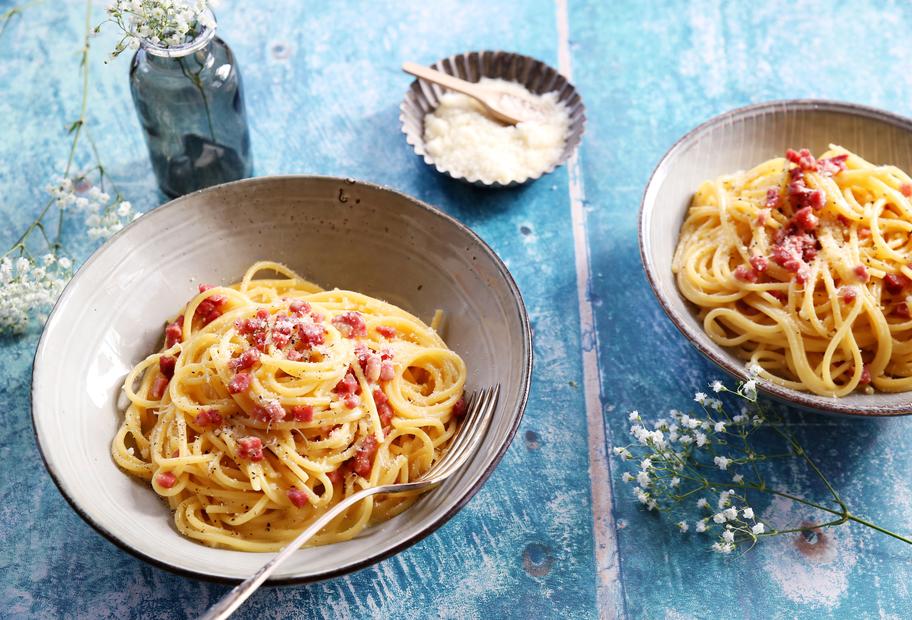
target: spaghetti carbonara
802 267
272 399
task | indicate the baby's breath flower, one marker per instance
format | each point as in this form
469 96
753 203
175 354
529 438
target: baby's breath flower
29 290
166 23
23 265
624 453
754 370
725 547
6 270
683 454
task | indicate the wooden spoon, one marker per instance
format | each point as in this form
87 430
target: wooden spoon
504 107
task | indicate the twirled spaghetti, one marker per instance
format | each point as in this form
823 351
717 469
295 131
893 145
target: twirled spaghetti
802 266
272 400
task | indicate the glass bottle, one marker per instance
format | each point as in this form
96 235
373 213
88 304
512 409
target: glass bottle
190 103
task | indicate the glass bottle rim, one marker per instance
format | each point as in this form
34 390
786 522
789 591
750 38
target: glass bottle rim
178 51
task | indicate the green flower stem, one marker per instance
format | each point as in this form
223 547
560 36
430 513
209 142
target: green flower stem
800 451
7 16
867 523
195 80
77 126
844 514
20 242
76 130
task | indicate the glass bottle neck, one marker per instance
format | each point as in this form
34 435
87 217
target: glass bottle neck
199 56
200 48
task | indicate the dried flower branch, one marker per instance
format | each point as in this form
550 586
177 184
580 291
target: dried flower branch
34 270
165 23
712 462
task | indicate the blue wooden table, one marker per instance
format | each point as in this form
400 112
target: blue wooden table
554 533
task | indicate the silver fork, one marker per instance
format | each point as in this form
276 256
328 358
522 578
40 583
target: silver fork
478 416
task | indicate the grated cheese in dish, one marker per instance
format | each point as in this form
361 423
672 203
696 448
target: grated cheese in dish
463 140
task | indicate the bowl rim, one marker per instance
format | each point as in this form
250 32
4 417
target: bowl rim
804 400
416 141
517 411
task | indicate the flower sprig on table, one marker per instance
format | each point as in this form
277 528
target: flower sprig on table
35 268
167 23
711 463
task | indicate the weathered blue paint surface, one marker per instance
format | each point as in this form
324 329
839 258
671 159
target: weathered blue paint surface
651 72
323 89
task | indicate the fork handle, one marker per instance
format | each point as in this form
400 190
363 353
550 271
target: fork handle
240 593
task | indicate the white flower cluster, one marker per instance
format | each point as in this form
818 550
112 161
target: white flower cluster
29 288
103 217
735 524
165 23
677 457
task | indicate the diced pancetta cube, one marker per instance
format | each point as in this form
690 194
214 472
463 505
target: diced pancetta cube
250 448
297 497
240 383
166 364
350 324
364 457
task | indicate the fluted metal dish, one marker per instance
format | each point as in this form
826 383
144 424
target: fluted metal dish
538 77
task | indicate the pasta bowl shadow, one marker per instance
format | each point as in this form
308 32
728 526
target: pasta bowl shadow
739 140
337 233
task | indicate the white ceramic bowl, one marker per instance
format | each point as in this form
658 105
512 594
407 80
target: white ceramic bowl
337 232
739 140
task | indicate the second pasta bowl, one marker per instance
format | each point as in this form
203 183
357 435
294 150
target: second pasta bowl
795 244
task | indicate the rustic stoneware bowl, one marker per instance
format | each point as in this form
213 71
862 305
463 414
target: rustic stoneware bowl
337 232
422 97
739 140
